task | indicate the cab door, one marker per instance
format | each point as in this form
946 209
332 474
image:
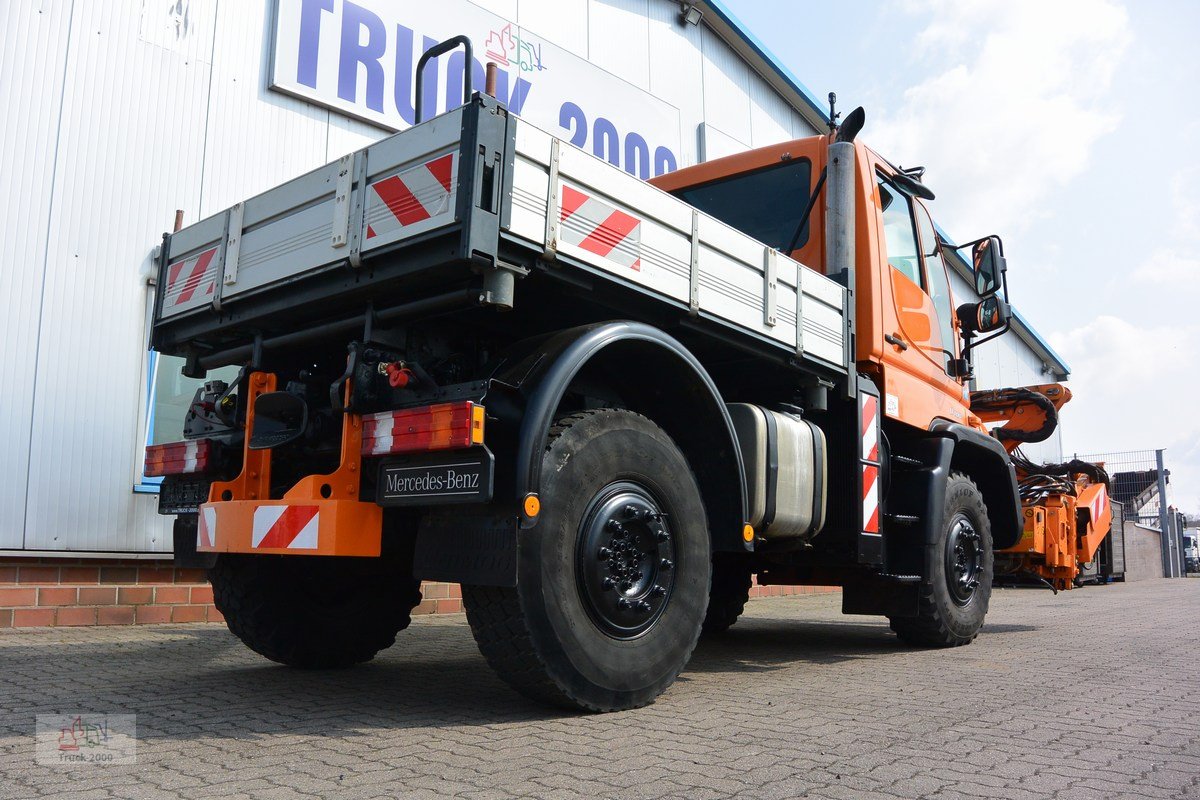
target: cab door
919 333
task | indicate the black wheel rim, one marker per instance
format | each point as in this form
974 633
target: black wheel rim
625 560
964 559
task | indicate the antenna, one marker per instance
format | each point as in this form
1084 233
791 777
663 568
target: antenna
833 114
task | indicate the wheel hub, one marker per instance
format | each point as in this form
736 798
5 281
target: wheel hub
625 560
964 560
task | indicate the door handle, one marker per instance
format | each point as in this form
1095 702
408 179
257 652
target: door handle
893 339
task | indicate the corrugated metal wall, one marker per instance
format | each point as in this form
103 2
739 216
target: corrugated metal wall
119 112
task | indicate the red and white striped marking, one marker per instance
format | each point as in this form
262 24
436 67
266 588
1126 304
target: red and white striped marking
206 529
1098 506
870 499
414 195
291 527
190 278
599 228
870 429
870 472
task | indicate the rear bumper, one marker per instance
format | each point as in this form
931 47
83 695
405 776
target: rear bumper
308 527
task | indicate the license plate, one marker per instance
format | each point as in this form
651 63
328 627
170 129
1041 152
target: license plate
433 479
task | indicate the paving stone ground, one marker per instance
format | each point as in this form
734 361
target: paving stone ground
1090 694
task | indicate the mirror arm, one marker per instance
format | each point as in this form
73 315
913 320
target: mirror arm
996 335
812 202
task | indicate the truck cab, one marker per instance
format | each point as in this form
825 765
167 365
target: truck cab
908 333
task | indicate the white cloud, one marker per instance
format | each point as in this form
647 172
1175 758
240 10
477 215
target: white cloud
1135 388
1013 106
1170 266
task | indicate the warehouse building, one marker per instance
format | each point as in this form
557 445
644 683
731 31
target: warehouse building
121 112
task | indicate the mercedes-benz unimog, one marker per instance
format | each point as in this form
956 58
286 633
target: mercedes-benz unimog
472 352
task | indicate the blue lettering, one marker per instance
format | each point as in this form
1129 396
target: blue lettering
637 156
405 77
310 40
606 141
572 118
354 52
664 161
454 84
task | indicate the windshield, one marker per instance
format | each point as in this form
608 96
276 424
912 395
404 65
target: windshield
765 204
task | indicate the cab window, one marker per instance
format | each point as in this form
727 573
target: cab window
899 237
765 204
937 282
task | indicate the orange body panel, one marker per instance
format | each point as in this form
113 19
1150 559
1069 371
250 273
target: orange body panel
320 515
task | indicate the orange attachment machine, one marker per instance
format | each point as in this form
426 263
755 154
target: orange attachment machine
1066 507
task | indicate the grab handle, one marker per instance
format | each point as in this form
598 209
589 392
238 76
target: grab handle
433 52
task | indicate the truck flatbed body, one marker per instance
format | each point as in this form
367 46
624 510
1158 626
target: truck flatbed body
419 222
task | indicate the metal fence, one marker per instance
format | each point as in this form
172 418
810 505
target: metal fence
1140 480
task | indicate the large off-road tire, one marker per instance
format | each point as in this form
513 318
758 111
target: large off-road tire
612 581
315 612
957 586
731 580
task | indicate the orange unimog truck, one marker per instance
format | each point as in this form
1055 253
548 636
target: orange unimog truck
474 353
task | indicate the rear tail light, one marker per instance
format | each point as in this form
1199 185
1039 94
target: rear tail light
178 458
446 426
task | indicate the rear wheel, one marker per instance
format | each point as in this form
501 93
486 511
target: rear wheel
315 612
612 581
731 581
957 586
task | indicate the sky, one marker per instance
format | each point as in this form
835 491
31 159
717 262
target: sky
1071 128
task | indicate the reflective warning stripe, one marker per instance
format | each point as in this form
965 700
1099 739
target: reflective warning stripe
293 527
414 195
190 278
870 467
870 428
599 228
870 499
206 530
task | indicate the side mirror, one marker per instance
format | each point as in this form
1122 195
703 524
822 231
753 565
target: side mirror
988 264
989 314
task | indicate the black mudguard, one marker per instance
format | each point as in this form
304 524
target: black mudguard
652 374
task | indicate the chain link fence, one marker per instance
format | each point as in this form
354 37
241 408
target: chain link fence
1140 480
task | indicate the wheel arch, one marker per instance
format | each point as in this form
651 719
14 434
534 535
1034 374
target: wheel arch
654 375
986 462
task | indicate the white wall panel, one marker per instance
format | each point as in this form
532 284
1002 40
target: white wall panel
619 39
771 118
676 70
256 138
345 135
726 87
504 8
563 22
33 55
130 148
1009 362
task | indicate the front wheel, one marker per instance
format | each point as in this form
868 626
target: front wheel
612 581
957 585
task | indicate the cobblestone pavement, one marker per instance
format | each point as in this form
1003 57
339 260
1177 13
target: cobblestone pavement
1089 694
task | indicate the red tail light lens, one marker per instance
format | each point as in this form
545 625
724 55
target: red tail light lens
178 458
446 426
